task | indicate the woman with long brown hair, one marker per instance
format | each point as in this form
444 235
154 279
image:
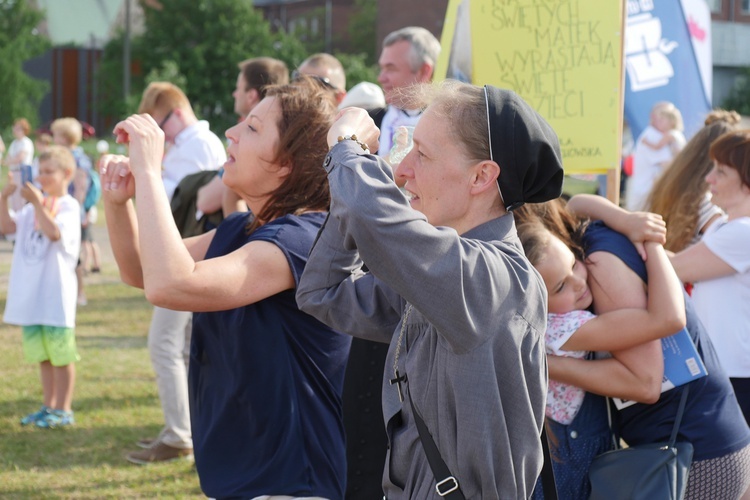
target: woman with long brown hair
681 194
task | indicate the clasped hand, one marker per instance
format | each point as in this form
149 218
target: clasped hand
118 184
642 227
146 147
354 121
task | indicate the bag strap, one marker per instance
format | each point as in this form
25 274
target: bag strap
678 419
447 485
615 436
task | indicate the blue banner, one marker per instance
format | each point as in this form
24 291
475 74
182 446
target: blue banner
661 63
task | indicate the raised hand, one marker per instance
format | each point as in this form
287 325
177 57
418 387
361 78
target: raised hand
118 184
354 121
146 141
32 194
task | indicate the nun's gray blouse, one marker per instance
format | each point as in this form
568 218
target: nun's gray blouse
473 345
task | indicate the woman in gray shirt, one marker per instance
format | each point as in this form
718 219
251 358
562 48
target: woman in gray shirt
446 284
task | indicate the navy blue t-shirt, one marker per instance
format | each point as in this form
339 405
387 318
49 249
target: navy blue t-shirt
712 421
265 383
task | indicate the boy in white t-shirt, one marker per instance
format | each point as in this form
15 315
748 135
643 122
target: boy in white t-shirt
42 289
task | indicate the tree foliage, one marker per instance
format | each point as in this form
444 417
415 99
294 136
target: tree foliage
362 30
200 41
357 70
197 45
739 97
110 77
310 30
20 94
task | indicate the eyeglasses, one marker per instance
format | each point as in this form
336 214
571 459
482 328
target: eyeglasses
326 82
165 119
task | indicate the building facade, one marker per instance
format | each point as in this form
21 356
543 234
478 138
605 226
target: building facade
325 21
730 37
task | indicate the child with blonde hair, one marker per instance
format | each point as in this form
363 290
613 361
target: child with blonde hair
654 150
42 287
668 121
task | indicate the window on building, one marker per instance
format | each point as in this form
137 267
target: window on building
746 6
715 6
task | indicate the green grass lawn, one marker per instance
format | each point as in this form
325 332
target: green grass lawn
115 404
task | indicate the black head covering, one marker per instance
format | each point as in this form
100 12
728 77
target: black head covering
525 147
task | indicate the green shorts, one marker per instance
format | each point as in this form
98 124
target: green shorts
50 343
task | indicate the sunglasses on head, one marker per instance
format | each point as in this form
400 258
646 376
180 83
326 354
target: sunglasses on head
165 119
326 82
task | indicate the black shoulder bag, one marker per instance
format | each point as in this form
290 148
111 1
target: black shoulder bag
644 472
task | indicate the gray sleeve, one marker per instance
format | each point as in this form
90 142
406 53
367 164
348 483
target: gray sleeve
460 285
336 290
